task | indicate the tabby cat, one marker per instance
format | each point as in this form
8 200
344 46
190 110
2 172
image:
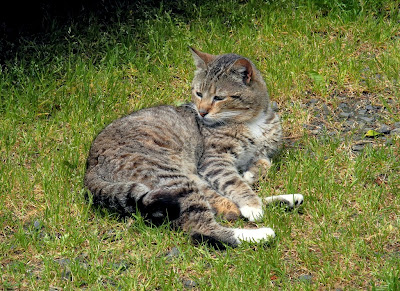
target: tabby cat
196 161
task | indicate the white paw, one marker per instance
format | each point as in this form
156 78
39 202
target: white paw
252 213
248 177
291 200
254 235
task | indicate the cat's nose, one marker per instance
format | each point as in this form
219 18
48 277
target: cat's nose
203 112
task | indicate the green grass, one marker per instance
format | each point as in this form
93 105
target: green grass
59 92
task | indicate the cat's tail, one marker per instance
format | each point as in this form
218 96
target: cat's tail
122 197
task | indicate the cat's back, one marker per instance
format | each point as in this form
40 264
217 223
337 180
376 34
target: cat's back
164 131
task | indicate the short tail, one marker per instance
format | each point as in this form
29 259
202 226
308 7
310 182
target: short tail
122 197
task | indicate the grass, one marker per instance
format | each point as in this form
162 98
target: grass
59 90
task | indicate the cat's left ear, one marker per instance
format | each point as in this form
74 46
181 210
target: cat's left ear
246 69
201 59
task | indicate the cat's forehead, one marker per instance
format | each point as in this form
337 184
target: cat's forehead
223 62
217 72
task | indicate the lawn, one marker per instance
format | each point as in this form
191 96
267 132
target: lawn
332 69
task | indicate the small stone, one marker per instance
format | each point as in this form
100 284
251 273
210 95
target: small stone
396 125
384 129
346 114
389 142
369 107
362 112
66 274
63 262
343 105
357 147
173 253
37 224
313 101
121 266
326 110
351 123
306 279
315 131
367 119
189 284
396 132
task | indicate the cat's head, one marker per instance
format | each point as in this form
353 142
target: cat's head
227 89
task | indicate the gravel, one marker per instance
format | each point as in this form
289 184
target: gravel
351 118
173 253
189 284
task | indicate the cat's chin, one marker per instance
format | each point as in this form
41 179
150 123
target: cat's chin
211 122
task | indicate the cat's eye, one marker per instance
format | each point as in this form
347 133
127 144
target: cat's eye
198 94
218 98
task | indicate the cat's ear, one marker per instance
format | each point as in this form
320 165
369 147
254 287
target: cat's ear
201 59
245 68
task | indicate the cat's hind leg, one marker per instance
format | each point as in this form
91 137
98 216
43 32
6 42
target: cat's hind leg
221 205
224 207
197 219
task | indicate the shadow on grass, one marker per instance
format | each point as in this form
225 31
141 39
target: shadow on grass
44 21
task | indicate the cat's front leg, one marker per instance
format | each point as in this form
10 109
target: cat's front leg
224 177
220 204
258 169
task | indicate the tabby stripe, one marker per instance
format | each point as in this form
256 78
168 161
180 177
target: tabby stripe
238 98
251 140
213 173
171 175
215 164
227 184
170 132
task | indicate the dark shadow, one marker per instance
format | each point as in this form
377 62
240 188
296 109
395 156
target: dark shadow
40 21
37 21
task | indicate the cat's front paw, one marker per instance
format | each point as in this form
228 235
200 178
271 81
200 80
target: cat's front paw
252 213
254 235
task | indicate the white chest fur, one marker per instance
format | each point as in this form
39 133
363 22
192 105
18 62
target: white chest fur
257 125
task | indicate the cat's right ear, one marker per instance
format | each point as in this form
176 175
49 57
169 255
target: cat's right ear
201 59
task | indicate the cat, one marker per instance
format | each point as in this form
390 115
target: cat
190 163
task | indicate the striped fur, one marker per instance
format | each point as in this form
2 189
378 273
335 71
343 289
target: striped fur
196 161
